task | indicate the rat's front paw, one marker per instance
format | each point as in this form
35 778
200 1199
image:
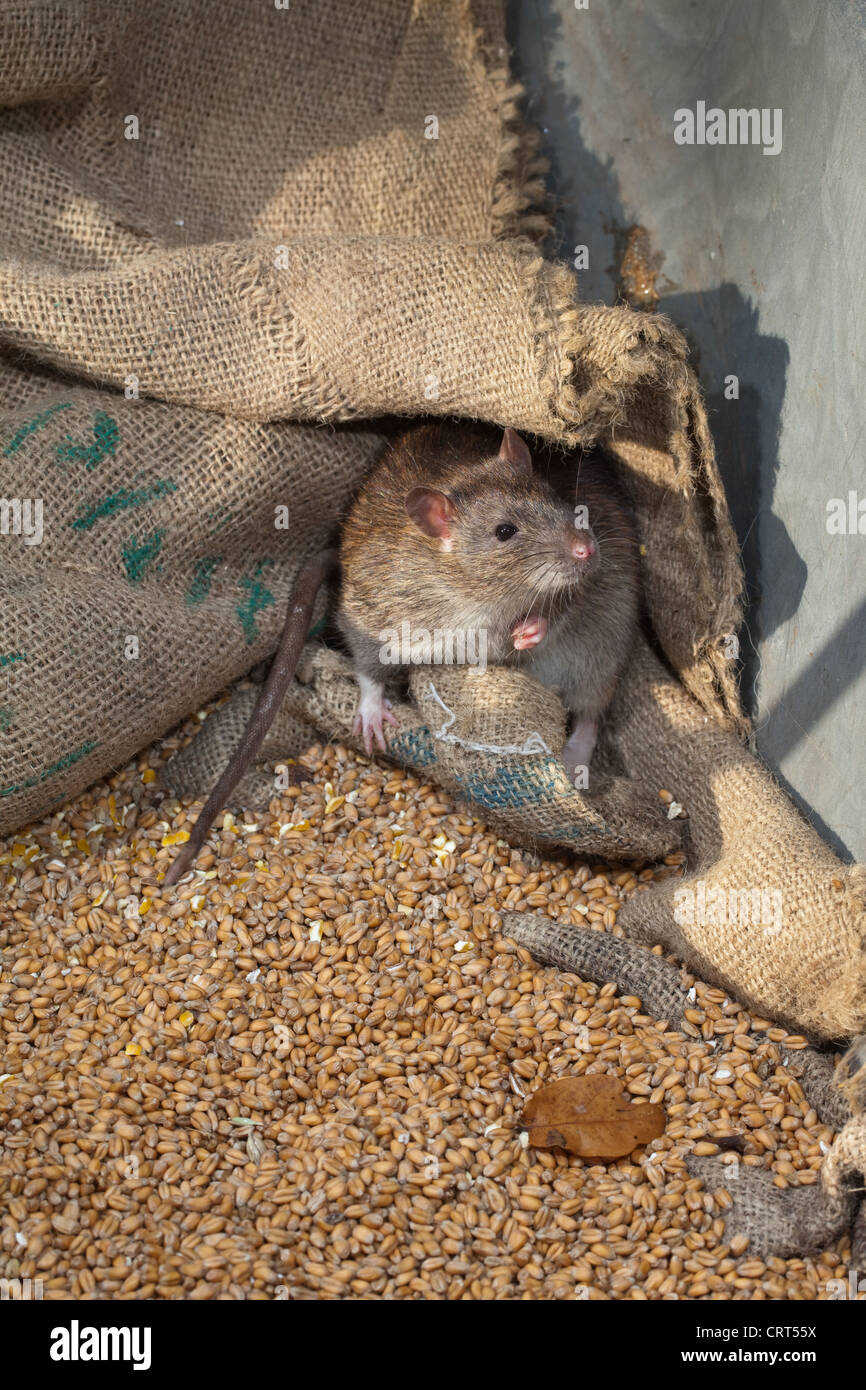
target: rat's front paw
374 711
528 633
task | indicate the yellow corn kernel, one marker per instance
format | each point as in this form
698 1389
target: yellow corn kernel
294 825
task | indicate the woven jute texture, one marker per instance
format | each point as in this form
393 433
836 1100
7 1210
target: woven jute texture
230 235
603 958
766 907
200 763
797 1221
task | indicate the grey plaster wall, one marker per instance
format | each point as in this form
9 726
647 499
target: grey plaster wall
763 269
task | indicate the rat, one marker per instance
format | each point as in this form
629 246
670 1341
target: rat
457 529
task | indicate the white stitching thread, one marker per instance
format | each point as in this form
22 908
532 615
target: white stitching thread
534 743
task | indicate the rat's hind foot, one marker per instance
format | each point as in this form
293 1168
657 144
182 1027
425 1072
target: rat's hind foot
581 743
528 633
369 725
374 711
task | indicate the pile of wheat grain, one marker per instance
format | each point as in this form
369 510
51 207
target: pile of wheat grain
300 1075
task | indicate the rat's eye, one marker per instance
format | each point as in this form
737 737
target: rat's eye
505 531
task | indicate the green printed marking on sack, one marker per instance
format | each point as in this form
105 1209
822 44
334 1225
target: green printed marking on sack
202 579
259 598
7 714
121 501
516 783
139 555
7 658
103 444
30 426
51 771
415 747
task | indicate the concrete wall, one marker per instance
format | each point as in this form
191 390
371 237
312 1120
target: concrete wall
761 265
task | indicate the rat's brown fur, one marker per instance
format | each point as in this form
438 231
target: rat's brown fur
393 572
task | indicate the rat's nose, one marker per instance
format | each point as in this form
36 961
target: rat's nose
582 547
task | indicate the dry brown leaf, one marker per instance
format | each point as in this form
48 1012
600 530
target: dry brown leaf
590 1116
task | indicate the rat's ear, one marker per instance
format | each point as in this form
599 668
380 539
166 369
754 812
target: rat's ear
516 451
432 512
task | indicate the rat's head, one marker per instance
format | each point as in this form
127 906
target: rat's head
505 528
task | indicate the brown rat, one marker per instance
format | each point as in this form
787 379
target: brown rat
455 530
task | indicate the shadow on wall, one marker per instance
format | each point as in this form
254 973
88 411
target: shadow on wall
721 325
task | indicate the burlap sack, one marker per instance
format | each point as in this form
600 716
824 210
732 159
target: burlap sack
161 574
604 959
495 739
331 212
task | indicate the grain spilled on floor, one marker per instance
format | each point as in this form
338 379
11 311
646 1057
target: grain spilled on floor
300 1075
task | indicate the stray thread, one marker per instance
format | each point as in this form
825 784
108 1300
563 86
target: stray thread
533 744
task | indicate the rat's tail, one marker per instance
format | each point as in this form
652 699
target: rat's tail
309 579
